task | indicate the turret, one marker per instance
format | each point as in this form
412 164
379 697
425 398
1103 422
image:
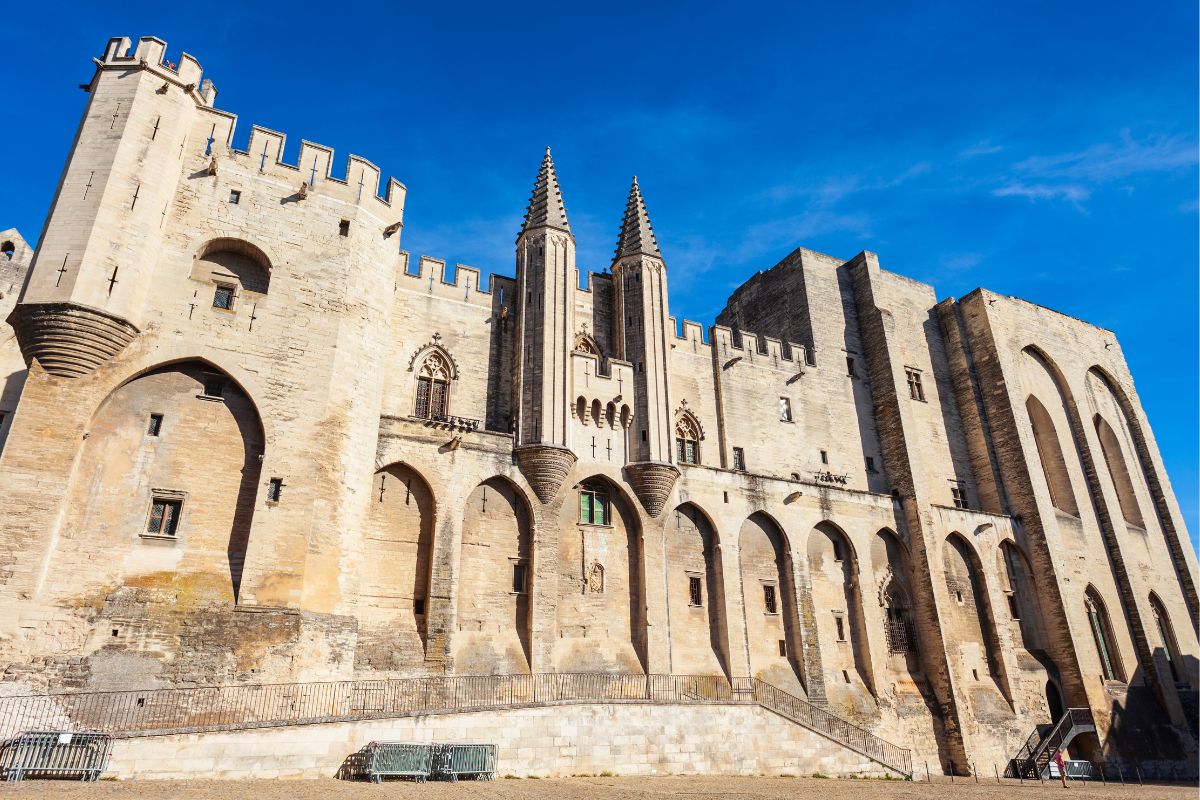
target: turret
546 285
85 297
642 318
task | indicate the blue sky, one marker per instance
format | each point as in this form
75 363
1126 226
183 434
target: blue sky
1046 150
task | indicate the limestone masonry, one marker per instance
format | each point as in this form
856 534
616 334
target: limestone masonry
244 439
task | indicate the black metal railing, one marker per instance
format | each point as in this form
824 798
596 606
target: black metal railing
126 714
833 727
1039 750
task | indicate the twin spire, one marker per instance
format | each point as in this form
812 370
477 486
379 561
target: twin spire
546 209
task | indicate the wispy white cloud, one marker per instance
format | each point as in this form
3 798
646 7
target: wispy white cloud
1044 191
982 148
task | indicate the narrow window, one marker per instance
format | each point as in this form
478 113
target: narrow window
840 621
839 553
235 197
975 674
824 456
223 297
214 387
3 415
782 648
419 606
687 440
593 504
785 409
695 597
1102 635
959 493
154 428
850 367
726 494
769 598
845 676
810 356
739 459
344 228
915 390
1167 634
164 516
519 578
1013 610
870 464
644 434
958 596
275 490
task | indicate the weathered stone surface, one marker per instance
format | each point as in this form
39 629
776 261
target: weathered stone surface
652 483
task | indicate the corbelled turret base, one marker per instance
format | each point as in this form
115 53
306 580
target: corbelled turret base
652 482
67 339
545 467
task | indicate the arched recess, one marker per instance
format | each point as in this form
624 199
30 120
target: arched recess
436 374
235 263
970 616
1167 641
166 483
1110 446
1016 581
393 598
893 583
1107 654
696 596
841 628
601 596
688 434
769 596
1050 453
494 582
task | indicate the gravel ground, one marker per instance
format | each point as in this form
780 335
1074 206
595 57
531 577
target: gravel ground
691 788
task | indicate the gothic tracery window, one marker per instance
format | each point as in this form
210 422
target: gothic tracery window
433 388
1110 664
687 440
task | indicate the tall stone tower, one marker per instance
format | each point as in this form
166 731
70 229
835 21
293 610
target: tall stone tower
105 227
546 283
642 320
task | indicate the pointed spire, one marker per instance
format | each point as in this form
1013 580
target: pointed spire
637 234
546 207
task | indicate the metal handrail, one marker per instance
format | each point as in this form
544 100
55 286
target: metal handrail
125 714
1040 755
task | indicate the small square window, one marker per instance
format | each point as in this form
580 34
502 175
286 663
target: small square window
850 367
154 427
871 464
164 516
783 648
274 490
958 492
695 594
785 409
419 606
235 197
739 459
520 576
769 598
344 228
644 435
214 387
223 297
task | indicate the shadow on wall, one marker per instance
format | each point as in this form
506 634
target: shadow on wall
1141 734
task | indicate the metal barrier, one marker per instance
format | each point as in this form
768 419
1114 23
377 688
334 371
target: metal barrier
475 761
40 754
161 711
398 760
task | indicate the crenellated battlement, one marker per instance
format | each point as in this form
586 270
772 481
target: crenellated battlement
150 54
466 284
754 348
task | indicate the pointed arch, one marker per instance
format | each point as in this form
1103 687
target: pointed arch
893 577
396 570
137 478
769 602
1166 637
1053 460
586 344
1118 472
688 434
232 261
436 371
970 612
1109 657
1016 581
495 581
833 576
695 595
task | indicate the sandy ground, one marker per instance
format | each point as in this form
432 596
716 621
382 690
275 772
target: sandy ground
691 788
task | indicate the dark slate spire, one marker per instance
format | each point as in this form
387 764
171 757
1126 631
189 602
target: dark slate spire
637 235
546 207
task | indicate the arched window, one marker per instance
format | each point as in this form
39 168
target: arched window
433 388
586 344
593 504
1110 664
687 440
896 619
1166 634
8 249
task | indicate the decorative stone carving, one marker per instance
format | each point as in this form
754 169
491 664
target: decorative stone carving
652 482
545 467
595 579
67 339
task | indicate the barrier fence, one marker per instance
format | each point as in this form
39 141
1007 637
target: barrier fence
206 708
